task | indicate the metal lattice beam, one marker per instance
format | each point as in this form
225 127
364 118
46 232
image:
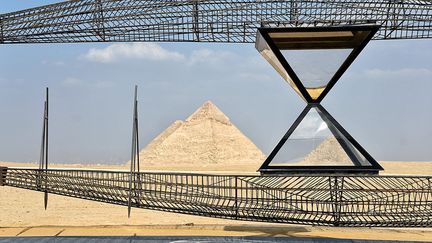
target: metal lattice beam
337 200
206 20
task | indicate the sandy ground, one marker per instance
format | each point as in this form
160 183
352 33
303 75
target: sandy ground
22 213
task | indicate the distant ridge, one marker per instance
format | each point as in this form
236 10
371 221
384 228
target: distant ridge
207 137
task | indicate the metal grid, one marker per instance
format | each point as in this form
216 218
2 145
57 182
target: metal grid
384 201
206 20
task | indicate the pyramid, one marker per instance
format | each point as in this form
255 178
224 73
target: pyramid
327 153
206 138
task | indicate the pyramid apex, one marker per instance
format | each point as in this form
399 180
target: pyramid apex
206 138
210 111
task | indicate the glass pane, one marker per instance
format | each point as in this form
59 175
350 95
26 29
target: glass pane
264 49
316 142
359 156
315 68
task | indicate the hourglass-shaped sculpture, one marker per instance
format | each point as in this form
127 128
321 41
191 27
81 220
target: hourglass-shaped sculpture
312 60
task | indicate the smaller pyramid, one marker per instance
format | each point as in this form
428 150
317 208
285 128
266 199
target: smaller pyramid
206 139
328 152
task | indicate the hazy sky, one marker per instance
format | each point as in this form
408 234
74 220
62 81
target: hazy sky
384 100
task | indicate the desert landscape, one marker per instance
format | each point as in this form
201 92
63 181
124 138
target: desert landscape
216 146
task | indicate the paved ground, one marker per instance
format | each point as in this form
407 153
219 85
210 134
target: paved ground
184 239
252 232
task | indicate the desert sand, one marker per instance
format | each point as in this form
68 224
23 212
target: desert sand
207 137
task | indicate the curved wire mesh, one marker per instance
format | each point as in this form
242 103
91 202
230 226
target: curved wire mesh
393 201
206 20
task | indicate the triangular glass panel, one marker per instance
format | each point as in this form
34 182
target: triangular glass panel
317 142
316 67
263 47
312 59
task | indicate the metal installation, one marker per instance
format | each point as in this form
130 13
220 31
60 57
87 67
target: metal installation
327 197
312 60
384 201
206 20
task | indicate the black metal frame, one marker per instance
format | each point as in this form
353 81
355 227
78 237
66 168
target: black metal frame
43 159
331 200
349 60
267 168
134 175
3 173
340 200
230 21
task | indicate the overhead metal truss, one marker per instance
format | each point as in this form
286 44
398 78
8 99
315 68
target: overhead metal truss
384 201
233 21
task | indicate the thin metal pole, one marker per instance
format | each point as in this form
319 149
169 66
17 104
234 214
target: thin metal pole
3 174
46 149
137 159
137 136
42 151
133 152
236 198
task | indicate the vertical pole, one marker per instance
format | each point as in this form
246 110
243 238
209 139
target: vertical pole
236 198
336 189
42 151
195 18
294 16
3 171
133 165
99 20
1 30
46 149
136 128
138 195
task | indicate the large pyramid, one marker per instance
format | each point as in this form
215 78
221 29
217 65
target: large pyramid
205 140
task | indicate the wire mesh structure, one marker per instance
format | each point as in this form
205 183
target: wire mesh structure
206 20
384 201
337 200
